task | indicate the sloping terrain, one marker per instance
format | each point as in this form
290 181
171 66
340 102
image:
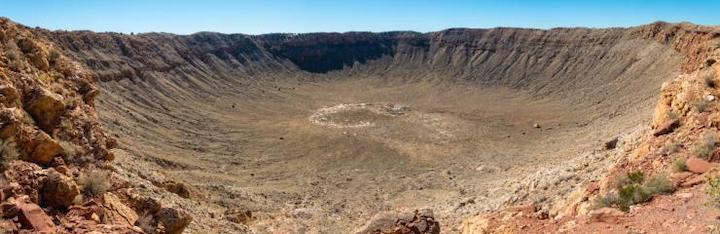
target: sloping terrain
327 132
229 114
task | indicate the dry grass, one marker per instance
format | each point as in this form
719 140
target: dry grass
680 165
705 146
94 183
8 152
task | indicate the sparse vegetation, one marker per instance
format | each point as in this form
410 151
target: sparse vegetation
69 149
705 146
8 152
670 147
680 165
631 189
713 190
701 105
94 183
53 56
673 115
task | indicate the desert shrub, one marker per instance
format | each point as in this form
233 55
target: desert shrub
673 115
94 183
702 105
69 148
680 165
608 200
659 184
705 146
8 152
53 56
11 56
670 147
631 188
713 190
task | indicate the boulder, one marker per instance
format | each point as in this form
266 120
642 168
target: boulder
416 222
58 190
45 107
45 149
115 212
238 215
173 220
181 189
698 166
667 127
31 216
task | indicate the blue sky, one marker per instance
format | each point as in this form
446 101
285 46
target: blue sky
266 16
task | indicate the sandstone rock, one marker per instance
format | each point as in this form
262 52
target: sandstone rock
698 166
115 212
420 222
45 107
667 127
606 215
678 177
692 182
31 216
9 96
58 190
45 148
477 224
238 215
173 220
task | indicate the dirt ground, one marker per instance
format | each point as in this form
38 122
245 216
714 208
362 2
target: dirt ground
322 157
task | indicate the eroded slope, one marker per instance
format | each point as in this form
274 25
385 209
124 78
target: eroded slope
230 116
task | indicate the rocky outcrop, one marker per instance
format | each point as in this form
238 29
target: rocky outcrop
413 222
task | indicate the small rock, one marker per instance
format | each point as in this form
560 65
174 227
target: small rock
536 125
238 215
611 144
698 166
678 177
710 98
693 181
684 196
606 215
417 222
174 220
667 127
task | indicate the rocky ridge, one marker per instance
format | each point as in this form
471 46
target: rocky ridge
57 176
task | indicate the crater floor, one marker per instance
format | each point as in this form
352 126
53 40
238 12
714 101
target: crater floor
328 155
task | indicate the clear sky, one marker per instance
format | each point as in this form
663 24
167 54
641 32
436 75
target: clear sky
266 16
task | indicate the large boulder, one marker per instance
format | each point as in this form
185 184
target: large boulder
58 190
45 149
173 220
415 222
115 212
45 107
